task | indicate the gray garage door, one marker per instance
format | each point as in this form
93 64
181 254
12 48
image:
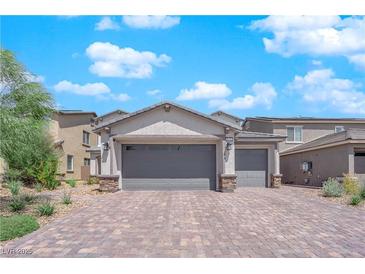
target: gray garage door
168 167
360 162
251 167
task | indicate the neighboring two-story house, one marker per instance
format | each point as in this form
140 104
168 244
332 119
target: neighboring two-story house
316 148
72 135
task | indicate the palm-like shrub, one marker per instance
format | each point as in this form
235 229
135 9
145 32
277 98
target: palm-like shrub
351 184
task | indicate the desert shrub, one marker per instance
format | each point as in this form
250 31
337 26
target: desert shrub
362 193
28 197
16 226
332 188
45 174
351 184
46 209
355 200
71 182
38 187
92 181
12 175
66 199
14 187
16 204
25 111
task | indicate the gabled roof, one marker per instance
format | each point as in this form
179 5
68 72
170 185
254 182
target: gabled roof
219 112
101 125
73 112
118 111
350 135
304 119
257 137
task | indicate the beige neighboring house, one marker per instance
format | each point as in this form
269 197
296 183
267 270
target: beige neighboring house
72 133
316 148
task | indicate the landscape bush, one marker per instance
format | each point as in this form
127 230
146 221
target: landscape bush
71 182
28 197
332 188
362 193
16 204
38 187
92 180
16 226
14 187
355 200
351 184
66 199
46 209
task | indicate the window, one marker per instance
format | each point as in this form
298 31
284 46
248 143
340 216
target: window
99 140
85 137
86 162
339 129
295 134
70 163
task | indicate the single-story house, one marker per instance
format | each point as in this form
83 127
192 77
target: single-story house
170 147
332 155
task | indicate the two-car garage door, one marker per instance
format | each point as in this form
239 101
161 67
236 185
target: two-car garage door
169 167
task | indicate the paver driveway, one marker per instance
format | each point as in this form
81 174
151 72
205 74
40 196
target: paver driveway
249 223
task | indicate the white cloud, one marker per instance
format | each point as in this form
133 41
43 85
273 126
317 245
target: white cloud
358 60
321 87
316 63
122 97
151 22
263 94
204 90
113 61
314 35
106 23
35 78
153 92
89 89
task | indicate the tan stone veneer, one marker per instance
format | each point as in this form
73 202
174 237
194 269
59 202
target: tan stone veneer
276 180
108 183
227 182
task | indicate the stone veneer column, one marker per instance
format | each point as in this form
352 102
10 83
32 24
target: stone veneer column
108 183
276 177
227 182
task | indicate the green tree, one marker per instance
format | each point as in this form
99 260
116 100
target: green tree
25 111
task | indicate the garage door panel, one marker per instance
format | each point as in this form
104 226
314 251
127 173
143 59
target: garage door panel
251 167
166 184
169 167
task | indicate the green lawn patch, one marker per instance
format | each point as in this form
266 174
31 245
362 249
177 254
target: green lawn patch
16 226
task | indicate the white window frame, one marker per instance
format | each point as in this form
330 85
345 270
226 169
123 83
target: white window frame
88 139
99 140
339 126
294 142
72 163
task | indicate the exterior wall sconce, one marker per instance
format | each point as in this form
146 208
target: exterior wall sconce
229 142
106 146
167 108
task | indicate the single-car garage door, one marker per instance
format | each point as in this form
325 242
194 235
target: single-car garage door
251 167
168 167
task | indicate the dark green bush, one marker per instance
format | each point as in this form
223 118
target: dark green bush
362 193
16 226
16 204
12 175
71 182
355 200
332 188
46 209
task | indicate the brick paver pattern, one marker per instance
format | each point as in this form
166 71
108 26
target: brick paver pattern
252 222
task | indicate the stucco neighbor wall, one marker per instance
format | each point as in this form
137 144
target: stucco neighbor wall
70 129
327 162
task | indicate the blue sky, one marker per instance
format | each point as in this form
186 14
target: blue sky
245 65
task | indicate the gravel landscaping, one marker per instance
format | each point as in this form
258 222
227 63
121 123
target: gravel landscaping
81 195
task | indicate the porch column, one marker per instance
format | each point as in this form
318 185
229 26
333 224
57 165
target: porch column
351 158
227 180
276 177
